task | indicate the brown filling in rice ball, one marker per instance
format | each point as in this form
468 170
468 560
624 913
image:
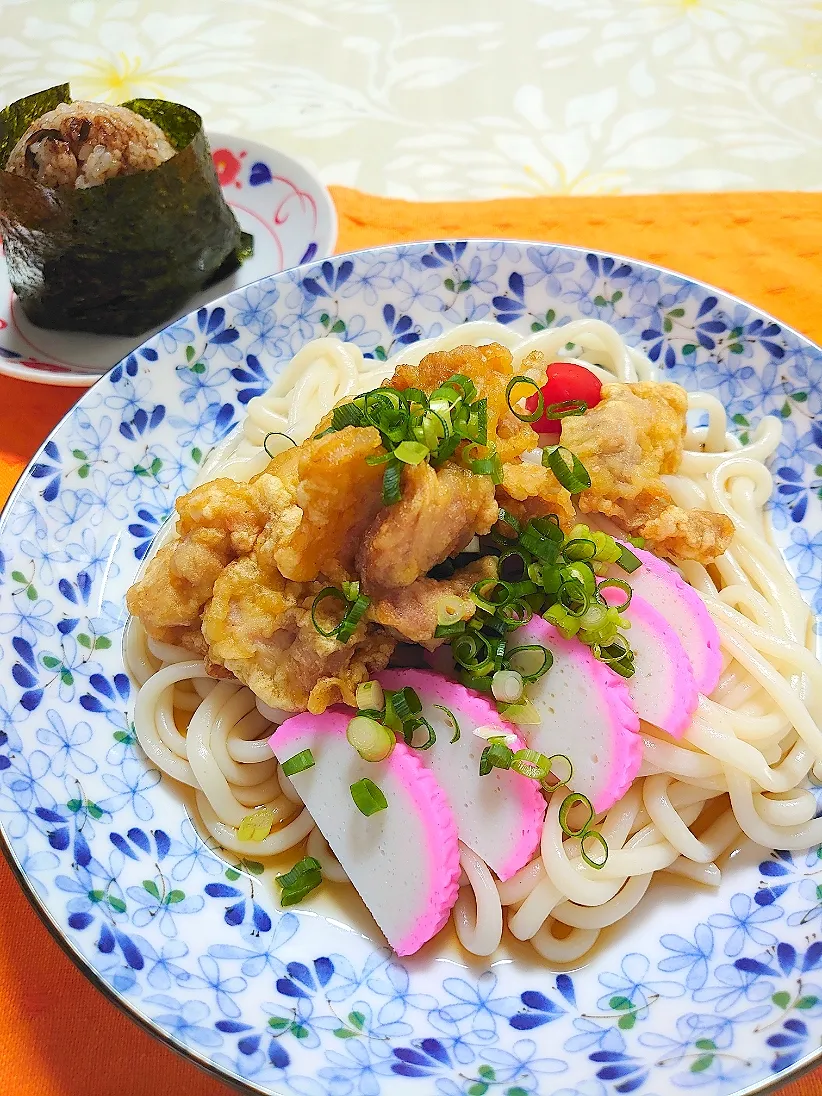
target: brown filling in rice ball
84 144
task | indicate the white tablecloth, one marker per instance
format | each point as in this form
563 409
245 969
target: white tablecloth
467 98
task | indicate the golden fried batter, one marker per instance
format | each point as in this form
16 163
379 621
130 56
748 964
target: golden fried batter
338 495
258 625
530 491
439 513
411 611
238 582
490 368
217 522
627 442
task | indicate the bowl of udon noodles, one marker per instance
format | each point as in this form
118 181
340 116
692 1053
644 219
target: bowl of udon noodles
410 680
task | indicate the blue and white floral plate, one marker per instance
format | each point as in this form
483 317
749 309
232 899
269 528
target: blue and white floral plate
718 992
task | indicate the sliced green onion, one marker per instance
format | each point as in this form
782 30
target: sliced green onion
490 594
561 768
524 416
495 756
535 672
617 584
443 631
406 703
596 856
367 797
348 624
638 542
329 592
523 713
532 764
350 590
414 725
304 877
594 617
514 615
575 799
453 719
276 434
508 519
257 825
627 560
573 598
506 685
371 740
580 549
411 452
450 609
347 414
370 695
298 763
391 482
565 408
572 476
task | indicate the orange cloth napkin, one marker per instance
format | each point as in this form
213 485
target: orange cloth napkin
59 1036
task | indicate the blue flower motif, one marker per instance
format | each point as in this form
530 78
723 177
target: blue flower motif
184 1020
192 854
811 893
220 335
691 956
393 982
260 955
633 983
224 989
358 1068
255 307
744 921
130 789
64 745
477 1004
163 969
735 982
28 619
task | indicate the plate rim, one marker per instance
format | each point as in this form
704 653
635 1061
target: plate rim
765 1087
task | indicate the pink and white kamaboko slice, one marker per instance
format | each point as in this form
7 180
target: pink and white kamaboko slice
586 714
403 860
499 815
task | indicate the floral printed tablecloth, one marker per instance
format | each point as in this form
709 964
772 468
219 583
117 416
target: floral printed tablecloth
471 99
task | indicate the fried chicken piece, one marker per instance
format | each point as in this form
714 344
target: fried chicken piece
410 612
531 491
439 513
490 367
627 443
339 495
258 625
217 522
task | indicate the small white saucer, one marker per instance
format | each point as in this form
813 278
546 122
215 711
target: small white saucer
283 205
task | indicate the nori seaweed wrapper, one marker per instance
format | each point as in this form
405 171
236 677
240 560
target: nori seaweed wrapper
124 256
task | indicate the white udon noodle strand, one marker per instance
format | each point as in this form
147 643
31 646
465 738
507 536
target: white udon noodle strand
749 748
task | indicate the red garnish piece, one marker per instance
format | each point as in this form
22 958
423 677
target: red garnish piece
566 383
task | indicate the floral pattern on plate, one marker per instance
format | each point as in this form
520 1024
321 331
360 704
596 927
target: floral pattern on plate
191 938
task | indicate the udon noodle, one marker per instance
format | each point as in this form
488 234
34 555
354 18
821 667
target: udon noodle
739 769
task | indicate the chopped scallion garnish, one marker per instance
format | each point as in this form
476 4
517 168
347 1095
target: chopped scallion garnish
628 561
298 763
371 740
257 825
453 721
567 467
304 877
367 797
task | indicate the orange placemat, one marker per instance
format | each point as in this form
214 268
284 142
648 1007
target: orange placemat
59 1036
